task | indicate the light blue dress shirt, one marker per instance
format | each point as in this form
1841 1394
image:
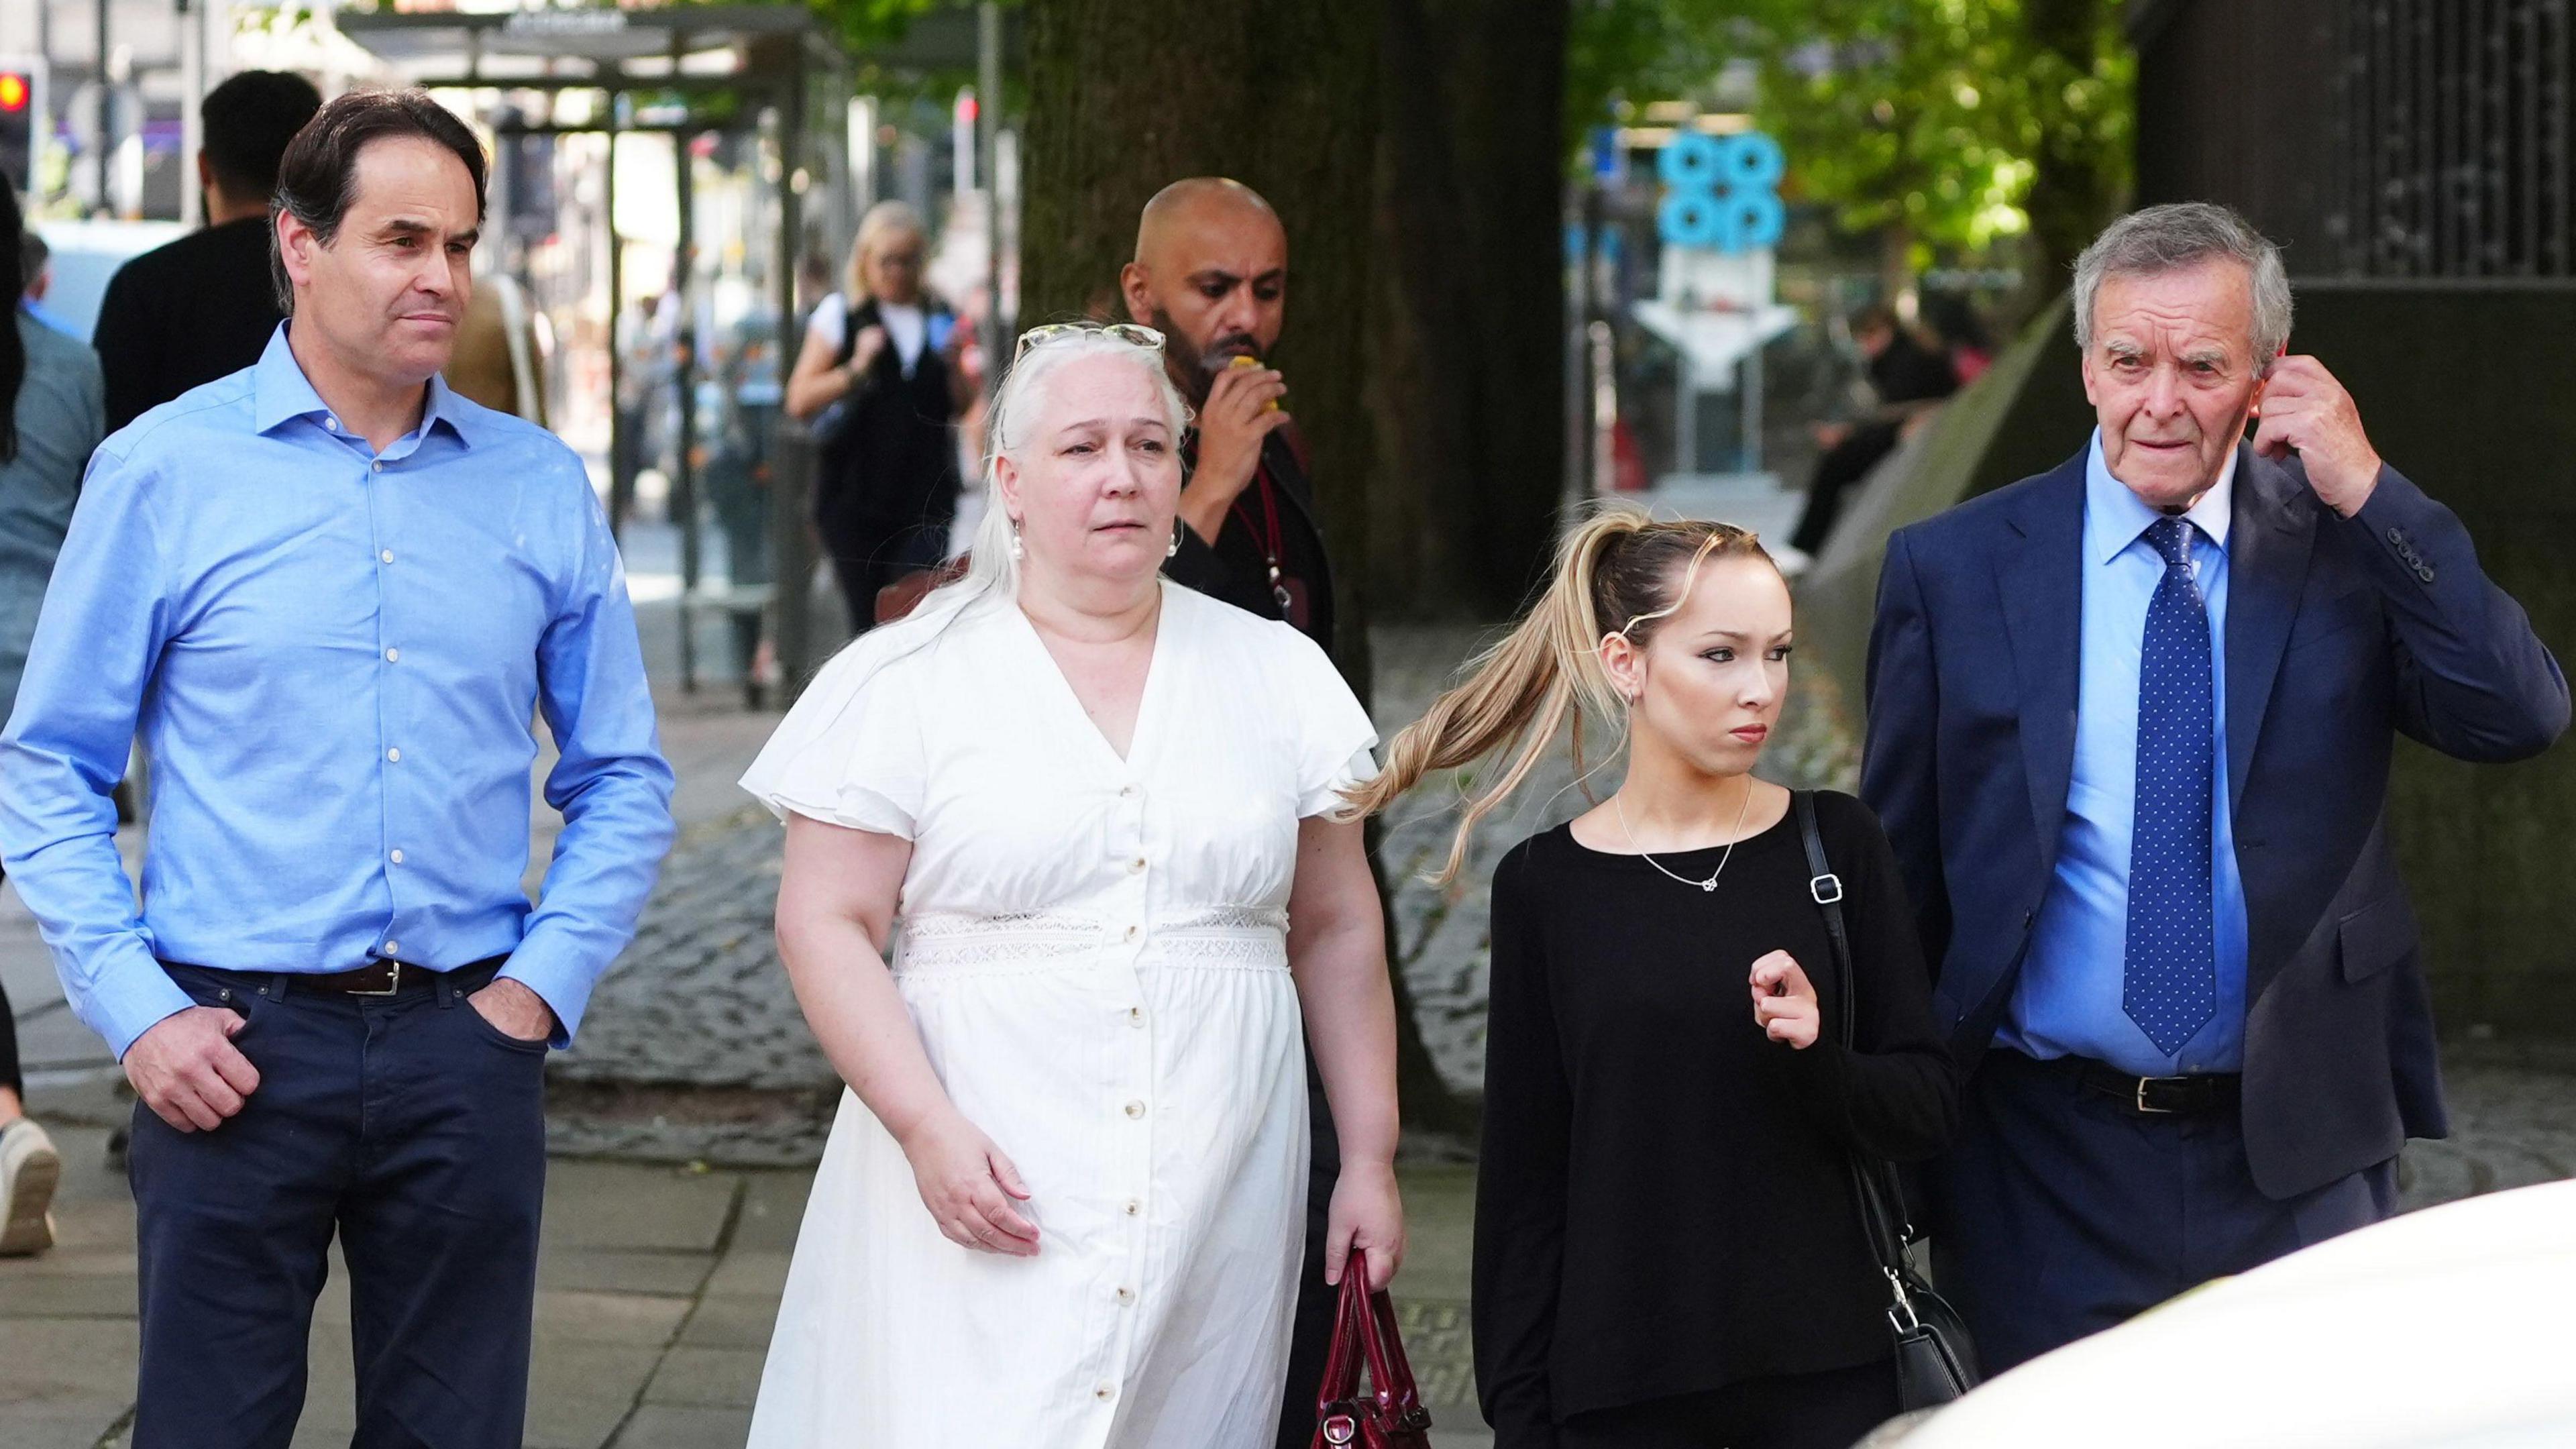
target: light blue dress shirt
334 657
2068 999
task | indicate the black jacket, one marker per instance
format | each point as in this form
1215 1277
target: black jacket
1235 568
200 308
890 463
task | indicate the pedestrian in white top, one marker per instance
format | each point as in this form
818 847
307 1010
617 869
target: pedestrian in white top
1064 858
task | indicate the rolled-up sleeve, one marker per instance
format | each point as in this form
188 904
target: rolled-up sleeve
96 650
611 783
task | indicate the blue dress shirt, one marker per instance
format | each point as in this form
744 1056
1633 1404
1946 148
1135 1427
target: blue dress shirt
2068 998
334 657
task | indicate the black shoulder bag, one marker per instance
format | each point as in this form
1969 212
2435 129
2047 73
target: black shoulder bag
1935 1362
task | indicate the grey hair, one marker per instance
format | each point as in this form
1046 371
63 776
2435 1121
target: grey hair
2159 239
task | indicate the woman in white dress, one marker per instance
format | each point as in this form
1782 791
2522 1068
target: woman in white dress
1094 812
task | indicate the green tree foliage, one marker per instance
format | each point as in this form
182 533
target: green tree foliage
1960 122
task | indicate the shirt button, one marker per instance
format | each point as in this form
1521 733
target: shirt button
378 465
1131 933
1135 1016
394 755
393 948
330 422
1105 1392
397 857
393 656
1134 1109
1126 1295
1134 1207
1136 866
387 556
1126 792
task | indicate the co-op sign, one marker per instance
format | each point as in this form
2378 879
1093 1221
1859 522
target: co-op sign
1721 192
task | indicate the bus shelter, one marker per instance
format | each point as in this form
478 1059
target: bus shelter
692 157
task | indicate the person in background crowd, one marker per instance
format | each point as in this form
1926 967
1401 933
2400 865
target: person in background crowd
879 380
35 267
1962 337
1669 1251
201 307
51 415
501 349
333 597
2129 726
1211 274
1060 1206
1905 376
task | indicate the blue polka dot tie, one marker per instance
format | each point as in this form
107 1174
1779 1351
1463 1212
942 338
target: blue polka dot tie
2169 986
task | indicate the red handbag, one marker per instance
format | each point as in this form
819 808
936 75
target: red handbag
1391 1416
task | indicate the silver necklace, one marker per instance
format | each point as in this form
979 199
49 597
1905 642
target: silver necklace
1709 884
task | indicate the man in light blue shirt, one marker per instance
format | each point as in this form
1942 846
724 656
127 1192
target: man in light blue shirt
330 595
2066 1004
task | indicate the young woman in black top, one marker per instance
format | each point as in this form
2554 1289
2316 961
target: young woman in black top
1667 1248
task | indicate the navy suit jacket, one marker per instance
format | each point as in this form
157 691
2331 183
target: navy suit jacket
2340 634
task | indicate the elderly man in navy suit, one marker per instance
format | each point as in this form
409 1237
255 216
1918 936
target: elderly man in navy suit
2129 729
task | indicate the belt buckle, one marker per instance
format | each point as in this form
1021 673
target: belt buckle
2144 1108
393 982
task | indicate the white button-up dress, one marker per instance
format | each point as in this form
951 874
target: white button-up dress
1094 951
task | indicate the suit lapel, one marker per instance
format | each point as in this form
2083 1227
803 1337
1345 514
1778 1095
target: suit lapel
2273 533
2042 578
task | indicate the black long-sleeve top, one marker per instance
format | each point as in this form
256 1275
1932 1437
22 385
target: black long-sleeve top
1664 1205
200 308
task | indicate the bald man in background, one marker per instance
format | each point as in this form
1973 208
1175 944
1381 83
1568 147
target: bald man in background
1211 275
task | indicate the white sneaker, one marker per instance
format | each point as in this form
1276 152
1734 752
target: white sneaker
29 1169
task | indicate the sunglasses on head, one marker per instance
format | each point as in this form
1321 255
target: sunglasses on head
1127 332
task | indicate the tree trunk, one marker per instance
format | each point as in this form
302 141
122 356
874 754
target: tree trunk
1282 96
2072 195
1467 326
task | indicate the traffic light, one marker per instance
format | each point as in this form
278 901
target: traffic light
20 82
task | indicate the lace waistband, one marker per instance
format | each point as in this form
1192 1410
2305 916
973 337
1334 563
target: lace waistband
1242 936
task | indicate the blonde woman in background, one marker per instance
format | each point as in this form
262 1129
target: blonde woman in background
1667 1251
878 378
1061 870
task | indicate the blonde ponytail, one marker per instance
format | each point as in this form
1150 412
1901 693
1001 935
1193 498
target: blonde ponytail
1618 571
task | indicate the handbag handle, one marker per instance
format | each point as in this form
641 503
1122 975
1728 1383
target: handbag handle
1884 1225
1364 1333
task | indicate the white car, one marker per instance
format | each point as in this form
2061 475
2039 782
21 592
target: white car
2450 1328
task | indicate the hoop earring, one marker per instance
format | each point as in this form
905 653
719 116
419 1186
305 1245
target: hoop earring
1174 549
1019 550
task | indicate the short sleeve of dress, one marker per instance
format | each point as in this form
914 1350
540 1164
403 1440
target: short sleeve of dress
831 319
1335 736
850 752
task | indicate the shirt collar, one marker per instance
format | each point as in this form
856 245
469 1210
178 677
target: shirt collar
280 390
2114 517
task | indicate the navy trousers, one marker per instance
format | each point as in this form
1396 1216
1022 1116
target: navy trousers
2061 1213
413 1129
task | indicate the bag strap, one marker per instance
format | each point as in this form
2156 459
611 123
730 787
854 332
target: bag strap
1341 1382
1878 1219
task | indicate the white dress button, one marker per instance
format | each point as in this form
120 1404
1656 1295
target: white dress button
1126 1296
1134 1207
393 948
1136 1016
1135 1109
397 857
378 465
330 422
1131 933
1105 1392
387 556
1136 866
394 755
1126 792
393 656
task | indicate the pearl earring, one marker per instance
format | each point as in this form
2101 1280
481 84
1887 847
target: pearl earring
1019 550
1174 548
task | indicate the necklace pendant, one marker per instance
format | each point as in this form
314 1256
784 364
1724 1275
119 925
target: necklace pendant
1709 885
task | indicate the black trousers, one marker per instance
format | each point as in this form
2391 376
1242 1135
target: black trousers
1829 1410
1843 465
1310 1333
864 562
414 1130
